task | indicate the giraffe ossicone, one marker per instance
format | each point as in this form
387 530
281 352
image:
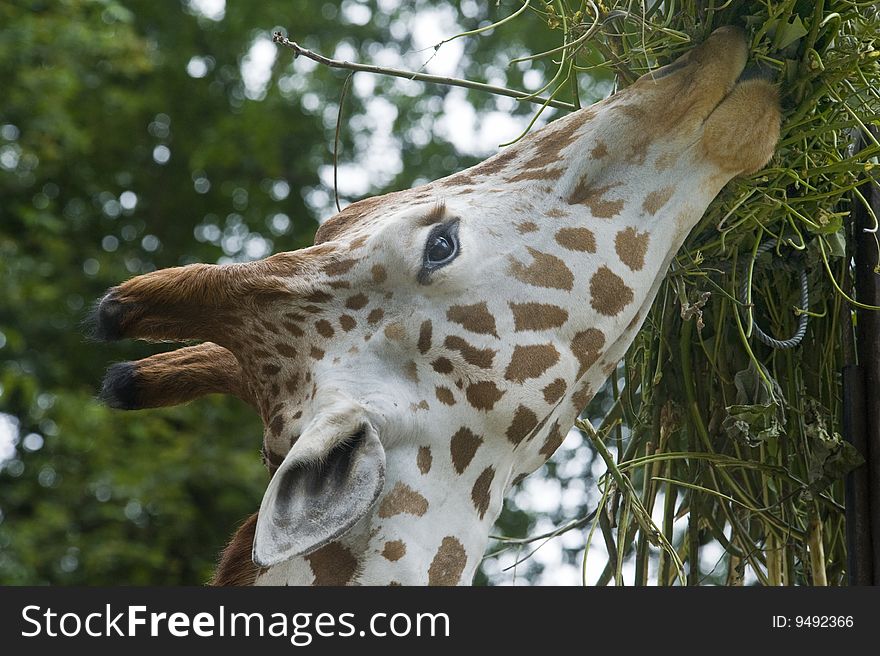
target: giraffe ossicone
435 345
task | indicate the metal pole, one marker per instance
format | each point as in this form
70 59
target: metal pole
867 281
860 565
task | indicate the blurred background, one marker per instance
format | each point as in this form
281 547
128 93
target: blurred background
136 135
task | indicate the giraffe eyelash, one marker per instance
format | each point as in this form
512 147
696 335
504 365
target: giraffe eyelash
437 213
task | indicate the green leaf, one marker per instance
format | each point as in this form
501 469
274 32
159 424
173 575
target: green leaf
826 223
757 415
785 33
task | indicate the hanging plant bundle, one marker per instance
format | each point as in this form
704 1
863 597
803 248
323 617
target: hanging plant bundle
728 423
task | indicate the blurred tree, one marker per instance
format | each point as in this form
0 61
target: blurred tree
136 135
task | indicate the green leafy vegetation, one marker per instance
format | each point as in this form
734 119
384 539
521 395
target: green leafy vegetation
722 439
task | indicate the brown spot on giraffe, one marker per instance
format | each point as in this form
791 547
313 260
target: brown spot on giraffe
338 267
292 385
268 327
260 354
442 365
608 293
357 242
315 297
587 346
666 160
537 316
425 337
524 421
333 564
424 459
356 302
545 271
394 550
554 391
545 173
577 239
459 179
276 425
631 246
638 149
530 361
411 371
582 397
553 441
403 500
480 493
549 145
379 274
489 167
462 447
285 349
324 328
556 213
526 227
472 355
292 328
475 318
448 563
657 199
395 332
347 322
375 316
593 197
445 395
316 353
483 395
599 151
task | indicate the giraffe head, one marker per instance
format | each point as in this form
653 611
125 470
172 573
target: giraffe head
436 344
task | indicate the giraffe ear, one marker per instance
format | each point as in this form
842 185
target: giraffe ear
330 479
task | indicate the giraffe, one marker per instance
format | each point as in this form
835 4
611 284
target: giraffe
436 344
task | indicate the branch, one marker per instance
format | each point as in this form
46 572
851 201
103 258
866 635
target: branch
420 77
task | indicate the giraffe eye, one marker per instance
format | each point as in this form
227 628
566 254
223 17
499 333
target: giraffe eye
441 249
442 245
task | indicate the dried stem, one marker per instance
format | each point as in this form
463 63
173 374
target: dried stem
420 77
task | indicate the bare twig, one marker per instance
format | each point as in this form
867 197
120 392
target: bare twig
420 77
